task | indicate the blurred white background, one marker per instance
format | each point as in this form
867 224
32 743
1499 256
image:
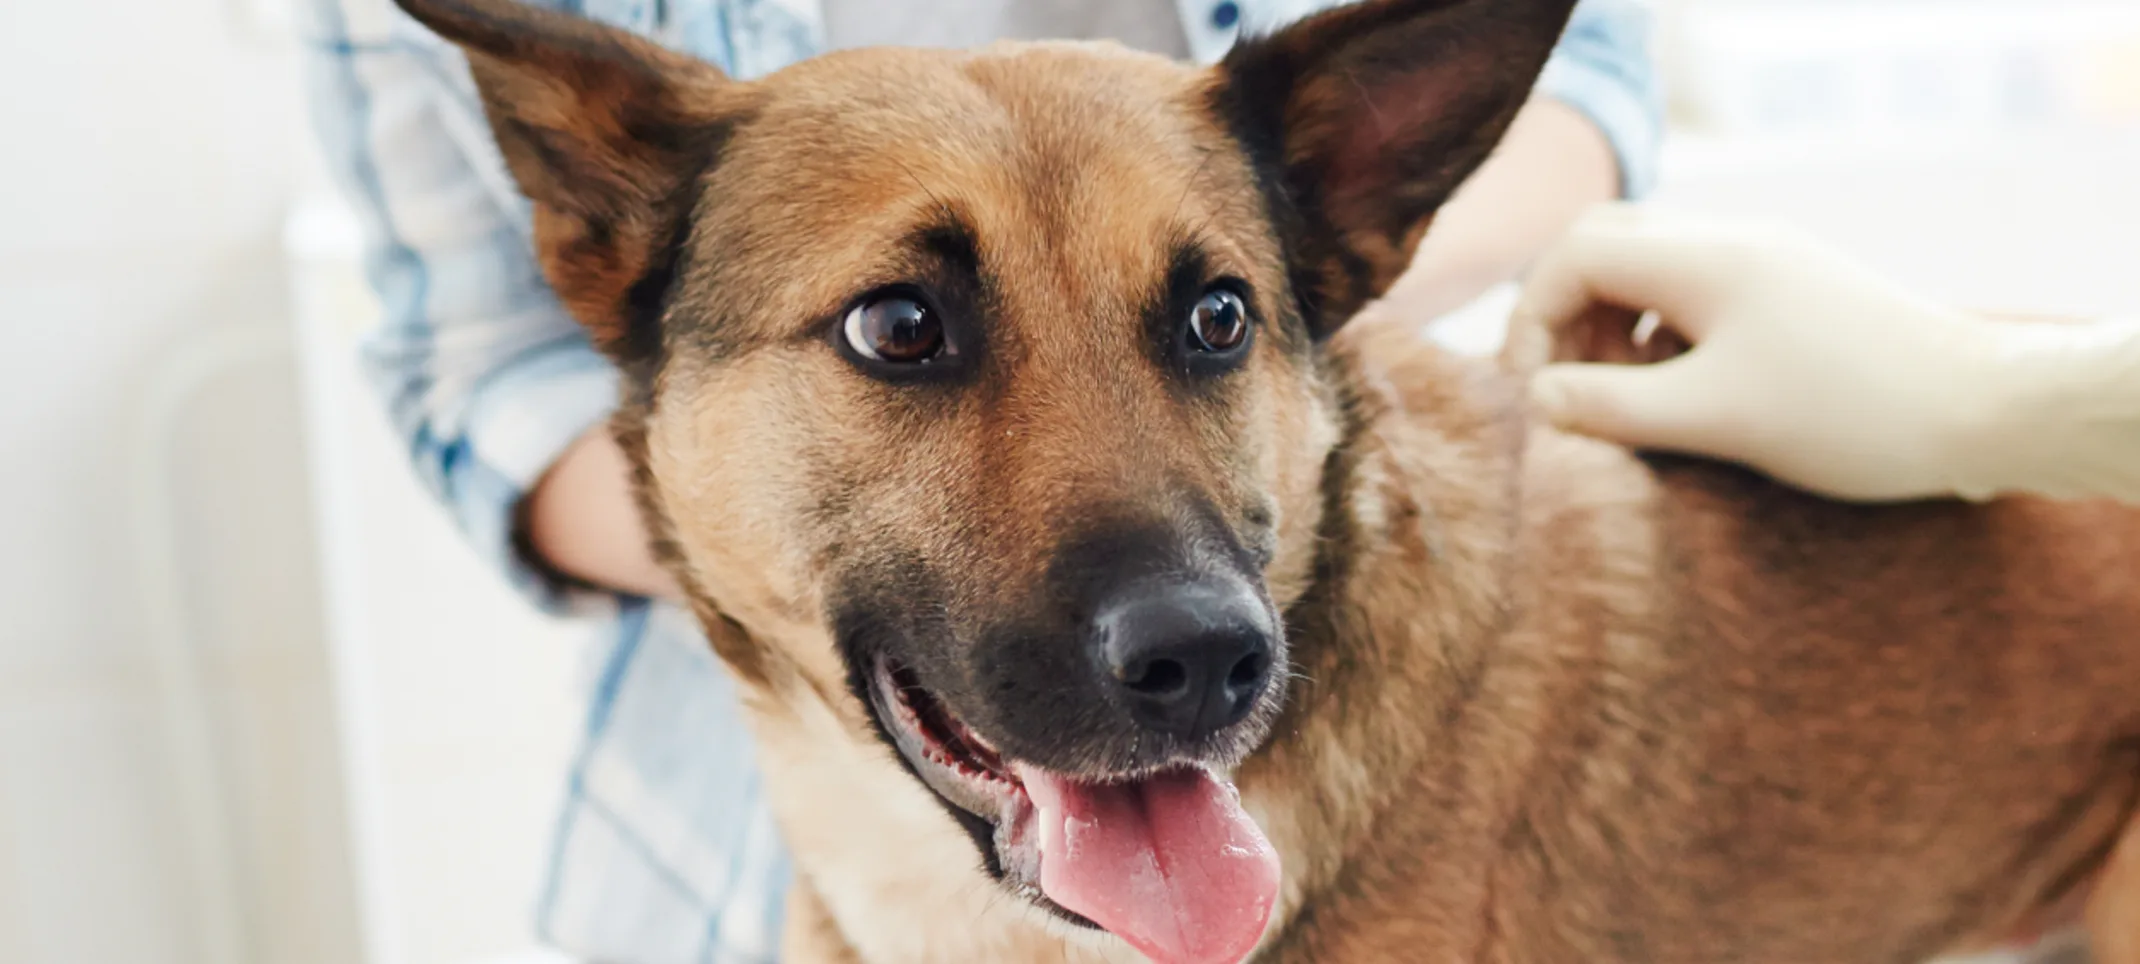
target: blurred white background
257 704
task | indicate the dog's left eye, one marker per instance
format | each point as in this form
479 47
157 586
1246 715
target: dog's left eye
895 328
1219 322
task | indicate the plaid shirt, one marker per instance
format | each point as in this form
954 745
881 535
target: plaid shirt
664 851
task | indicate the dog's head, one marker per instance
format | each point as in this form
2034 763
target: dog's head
983 391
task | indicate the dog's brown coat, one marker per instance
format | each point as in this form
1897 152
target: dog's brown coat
1555 703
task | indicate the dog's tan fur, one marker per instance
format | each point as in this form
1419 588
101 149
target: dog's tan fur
1552 702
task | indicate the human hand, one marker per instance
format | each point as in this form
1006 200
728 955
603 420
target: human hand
1804 364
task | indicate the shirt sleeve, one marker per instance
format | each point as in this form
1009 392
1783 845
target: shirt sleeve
1604 68
483 374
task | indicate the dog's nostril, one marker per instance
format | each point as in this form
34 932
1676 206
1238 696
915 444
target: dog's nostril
1158 677
1249 671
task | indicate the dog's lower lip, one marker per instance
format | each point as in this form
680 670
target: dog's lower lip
968 773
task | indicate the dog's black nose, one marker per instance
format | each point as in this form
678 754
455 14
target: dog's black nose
1190 658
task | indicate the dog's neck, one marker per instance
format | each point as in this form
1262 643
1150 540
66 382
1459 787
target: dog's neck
1428 502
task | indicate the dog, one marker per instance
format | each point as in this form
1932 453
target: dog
1100 595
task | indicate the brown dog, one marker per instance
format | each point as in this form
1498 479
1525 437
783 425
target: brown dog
995 412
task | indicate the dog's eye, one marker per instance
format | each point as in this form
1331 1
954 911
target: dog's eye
1219 322
895 328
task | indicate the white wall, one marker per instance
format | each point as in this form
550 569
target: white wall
2039 224
1981 150
152 410
459 703
148 159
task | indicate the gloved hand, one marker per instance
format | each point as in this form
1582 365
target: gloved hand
1820 373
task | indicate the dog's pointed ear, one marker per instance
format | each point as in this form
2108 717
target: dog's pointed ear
608 134
1363 119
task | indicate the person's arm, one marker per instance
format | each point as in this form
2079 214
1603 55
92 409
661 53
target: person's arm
487 379
1592 133
582 519
1811 368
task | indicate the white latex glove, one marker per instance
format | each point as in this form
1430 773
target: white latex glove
1820 373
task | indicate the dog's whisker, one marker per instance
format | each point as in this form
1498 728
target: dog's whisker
1190 188
1220 209
938 200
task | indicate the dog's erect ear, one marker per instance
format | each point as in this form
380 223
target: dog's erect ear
1363 119
607 134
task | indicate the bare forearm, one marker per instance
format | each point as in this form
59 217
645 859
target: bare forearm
1552 165
582 520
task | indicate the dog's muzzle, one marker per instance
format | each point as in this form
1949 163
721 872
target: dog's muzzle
1160 853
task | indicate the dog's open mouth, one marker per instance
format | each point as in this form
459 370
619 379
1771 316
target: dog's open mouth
1168 862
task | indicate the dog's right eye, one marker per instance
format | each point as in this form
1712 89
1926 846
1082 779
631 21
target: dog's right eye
895 328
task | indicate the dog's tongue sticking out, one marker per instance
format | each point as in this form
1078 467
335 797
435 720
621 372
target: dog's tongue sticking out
1172 864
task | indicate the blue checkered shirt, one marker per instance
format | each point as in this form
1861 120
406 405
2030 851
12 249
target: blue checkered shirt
663 849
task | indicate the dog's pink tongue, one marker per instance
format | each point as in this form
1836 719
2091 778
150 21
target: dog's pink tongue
1172 865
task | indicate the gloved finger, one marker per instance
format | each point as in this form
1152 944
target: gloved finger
1625 256
1667 406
